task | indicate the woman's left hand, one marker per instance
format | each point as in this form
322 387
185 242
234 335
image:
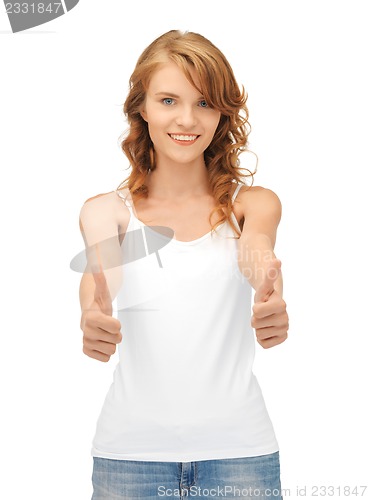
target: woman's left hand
270 318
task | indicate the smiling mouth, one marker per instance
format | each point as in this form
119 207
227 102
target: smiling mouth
184 138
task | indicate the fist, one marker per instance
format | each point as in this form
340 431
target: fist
270 319
101 332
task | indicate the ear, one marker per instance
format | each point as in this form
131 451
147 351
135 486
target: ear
143 114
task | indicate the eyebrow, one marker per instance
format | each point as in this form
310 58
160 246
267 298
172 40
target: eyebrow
167 94
171 94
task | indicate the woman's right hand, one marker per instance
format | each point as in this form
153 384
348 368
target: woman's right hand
101 332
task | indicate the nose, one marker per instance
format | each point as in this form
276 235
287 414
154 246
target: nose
186 117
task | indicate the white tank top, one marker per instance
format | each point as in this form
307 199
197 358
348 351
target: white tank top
183 389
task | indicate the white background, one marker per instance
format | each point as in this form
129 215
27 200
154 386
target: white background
61 93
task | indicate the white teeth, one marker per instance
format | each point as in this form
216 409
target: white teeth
184 137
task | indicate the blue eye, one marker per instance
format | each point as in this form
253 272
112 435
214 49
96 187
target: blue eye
165 101
203 104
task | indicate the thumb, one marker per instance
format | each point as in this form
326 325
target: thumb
266 288
102 294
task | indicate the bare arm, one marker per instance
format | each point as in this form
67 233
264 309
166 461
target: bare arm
102 277
258 263
262 213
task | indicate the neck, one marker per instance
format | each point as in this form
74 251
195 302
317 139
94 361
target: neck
178 182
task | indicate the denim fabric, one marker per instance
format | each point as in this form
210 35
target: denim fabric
246 477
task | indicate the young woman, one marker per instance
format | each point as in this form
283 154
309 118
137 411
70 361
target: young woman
180 245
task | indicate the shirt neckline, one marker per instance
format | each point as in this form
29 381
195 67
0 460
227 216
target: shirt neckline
173 240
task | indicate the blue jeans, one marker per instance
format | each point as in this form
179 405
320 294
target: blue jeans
248 477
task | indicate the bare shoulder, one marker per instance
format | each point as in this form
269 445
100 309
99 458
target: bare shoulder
259 200
112 199
107 208
102 197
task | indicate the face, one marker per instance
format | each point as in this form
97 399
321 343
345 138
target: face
180 123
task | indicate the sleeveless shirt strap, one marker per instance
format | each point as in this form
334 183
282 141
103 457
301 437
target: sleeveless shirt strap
124 198
236 192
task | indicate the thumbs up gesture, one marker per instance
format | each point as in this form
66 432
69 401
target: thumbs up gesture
101 332
270 319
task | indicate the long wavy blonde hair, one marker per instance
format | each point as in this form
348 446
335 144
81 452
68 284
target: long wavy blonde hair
220 90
